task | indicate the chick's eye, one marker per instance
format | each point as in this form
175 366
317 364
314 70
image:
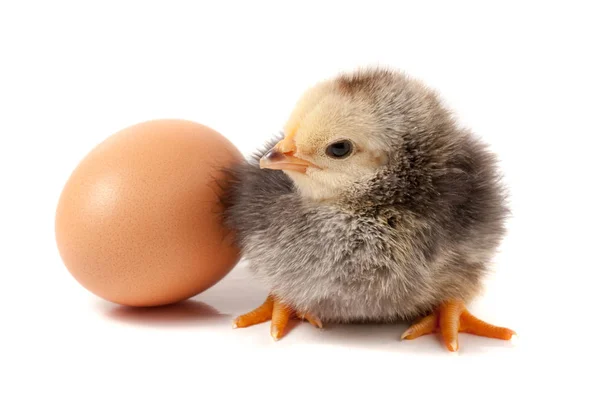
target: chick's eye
340 149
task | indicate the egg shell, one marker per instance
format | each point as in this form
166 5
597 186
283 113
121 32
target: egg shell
139 221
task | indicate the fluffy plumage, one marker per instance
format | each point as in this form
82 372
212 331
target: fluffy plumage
384 242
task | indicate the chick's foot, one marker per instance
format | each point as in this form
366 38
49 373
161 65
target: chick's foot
451 318
279 314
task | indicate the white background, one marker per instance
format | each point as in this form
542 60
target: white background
522 75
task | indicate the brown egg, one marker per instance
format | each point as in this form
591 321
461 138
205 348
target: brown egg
138 222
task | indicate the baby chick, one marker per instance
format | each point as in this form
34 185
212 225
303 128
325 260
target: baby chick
373 206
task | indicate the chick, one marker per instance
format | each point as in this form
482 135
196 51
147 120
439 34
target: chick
372 206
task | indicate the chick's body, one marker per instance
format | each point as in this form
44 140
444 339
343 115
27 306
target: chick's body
385 237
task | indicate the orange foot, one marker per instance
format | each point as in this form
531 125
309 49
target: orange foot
279 314
451 318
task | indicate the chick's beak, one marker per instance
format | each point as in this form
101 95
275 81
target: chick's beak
282 157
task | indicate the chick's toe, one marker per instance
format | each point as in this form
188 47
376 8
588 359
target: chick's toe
314 321
425 326
280 318
259 315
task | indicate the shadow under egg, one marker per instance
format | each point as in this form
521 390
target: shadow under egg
185 313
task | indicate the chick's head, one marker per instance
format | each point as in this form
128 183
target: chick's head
344 130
